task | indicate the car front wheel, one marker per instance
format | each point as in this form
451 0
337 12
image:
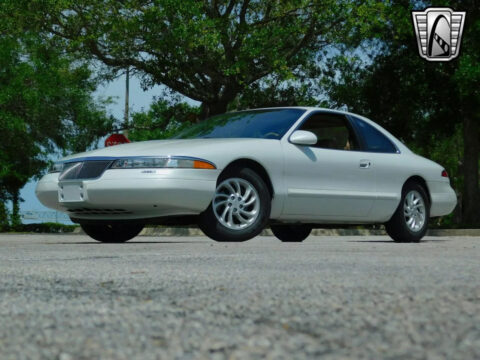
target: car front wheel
409 223
112 233
240 208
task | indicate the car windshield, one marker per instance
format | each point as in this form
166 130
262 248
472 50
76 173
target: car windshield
260 124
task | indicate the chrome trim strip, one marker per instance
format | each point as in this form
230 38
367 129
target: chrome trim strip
113 158
88 158
312 193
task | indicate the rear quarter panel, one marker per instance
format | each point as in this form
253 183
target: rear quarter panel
394 170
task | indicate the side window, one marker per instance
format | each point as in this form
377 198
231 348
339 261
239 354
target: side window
375 141
333 132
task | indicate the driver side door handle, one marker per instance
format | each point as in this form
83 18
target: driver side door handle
365 164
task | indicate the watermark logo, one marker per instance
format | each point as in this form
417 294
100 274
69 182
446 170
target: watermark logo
439 33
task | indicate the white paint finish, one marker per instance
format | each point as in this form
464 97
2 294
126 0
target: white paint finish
169 192
302 137
310 184
47 191
323 182
443 197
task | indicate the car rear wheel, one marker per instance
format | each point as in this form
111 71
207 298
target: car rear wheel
112 233
291 233
240 208
410 221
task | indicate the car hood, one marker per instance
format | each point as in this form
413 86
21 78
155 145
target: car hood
173 147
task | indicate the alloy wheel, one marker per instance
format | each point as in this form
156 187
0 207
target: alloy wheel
236 203
414 211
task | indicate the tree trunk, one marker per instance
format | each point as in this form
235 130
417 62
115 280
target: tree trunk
471 148
15 219
3 217
214 108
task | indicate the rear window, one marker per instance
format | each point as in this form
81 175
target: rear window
374 140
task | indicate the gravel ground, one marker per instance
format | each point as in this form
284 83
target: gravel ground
65 297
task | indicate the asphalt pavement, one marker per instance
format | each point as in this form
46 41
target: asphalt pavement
67 297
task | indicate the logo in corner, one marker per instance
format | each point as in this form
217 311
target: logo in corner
439 33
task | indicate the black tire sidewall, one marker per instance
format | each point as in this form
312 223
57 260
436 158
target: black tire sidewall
209 224
291 233
397 228
112 233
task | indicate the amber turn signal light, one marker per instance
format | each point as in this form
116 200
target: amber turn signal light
197 164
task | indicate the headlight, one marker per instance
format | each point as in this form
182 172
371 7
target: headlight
56 167
176 162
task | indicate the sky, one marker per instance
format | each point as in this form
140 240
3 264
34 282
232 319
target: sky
139 100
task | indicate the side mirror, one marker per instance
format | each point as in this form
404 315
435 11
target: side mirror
302 137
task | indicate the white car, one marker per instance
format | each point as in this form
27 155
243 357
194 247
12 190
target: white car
292 169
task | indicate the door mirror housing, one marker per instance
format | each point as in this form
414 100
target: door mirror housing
302 137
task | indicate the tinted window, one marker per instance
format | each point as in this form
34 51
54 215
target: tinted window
333 131
261 124
375 141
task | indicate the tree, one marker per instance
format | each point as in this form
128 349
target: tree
210 50
4 215
46 104
467 78
274 92
163 119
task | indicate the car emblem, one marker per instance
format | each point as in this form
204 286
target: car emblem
439 33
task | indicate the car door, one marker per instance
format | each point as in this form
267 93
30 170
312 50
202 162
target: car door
330 180
389 169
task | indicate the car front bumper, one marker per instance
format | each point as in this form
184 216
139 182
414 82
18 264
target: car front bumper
131 193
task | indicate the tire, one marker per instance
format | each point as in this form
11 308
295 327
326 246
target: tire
405 228
291 233
112 233
222 221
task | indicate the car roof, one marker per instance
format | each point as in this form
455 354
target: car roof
307 108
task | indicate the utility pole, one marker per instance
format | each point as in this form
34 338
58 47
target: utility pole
127 90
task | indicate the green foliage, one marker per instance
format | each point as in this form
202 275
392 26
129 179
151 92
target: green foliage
467 74
45 104
447 151
162 120
395 87
207 50
271 93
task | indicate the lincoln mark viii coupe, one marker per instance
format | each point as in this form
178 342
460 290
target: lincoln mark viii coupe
292 169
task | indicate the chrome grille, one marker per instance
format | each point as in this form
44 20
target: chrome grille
84 170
